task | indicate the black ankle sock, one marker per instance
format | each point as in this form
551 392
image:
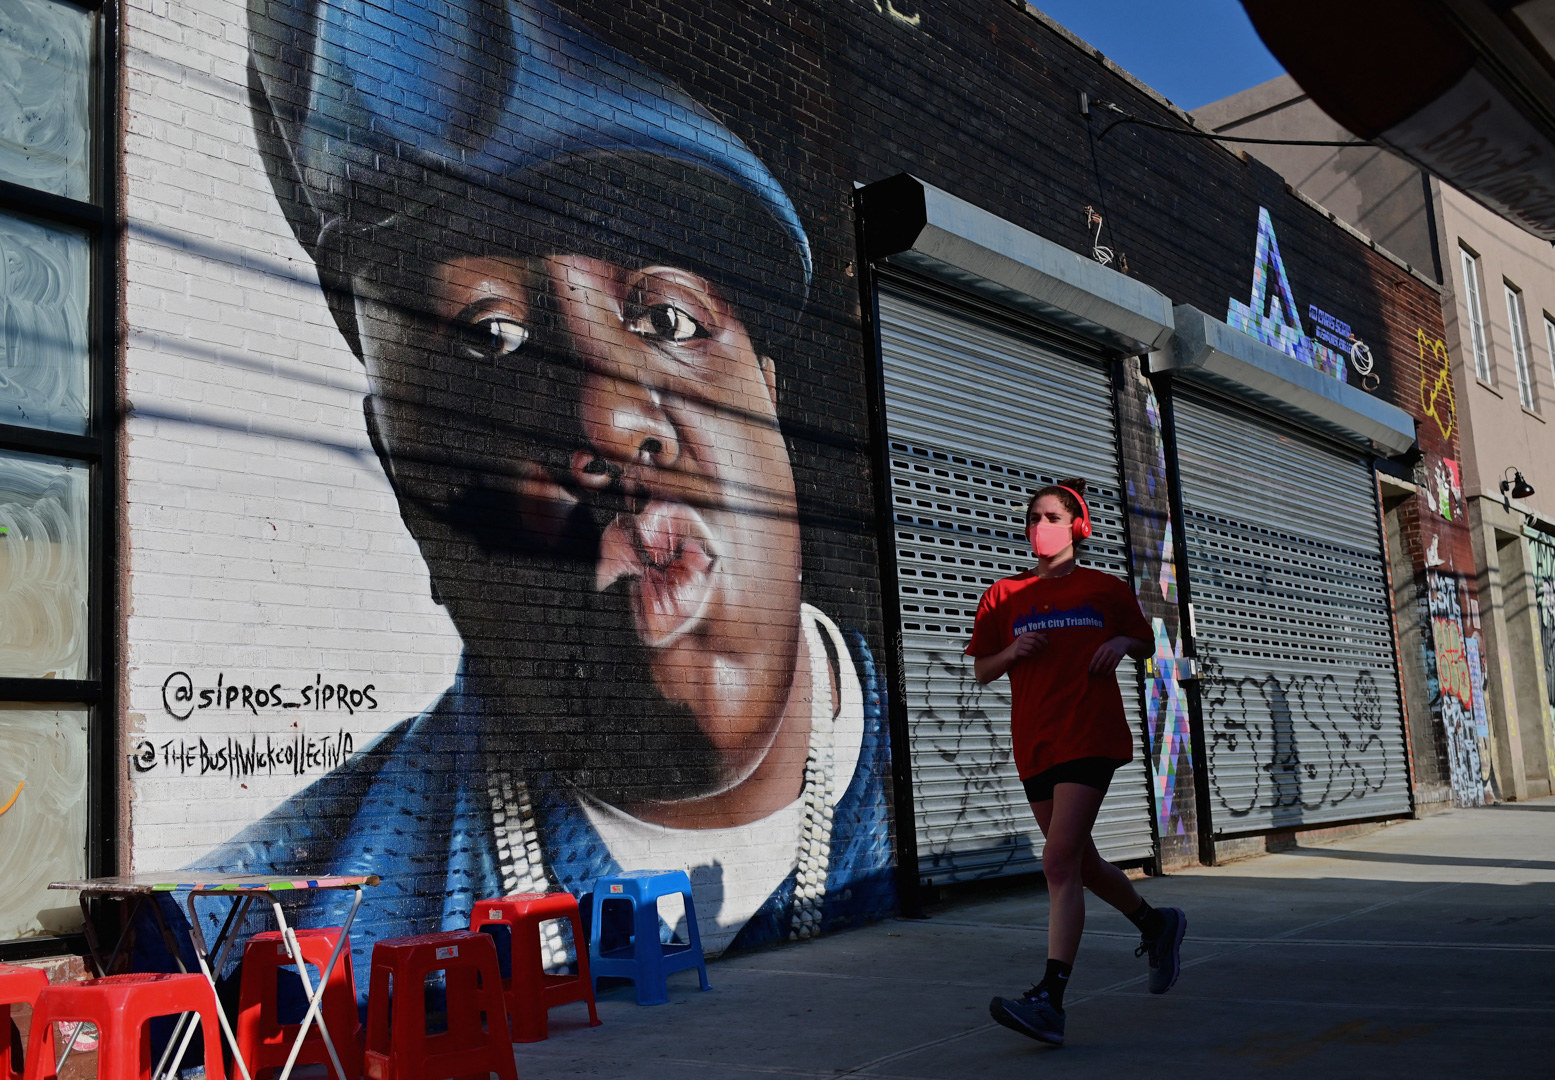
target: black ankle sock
1055 980
1148 919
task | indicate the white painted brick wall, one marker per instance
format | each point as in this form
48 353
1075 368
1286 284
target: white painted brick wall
264 543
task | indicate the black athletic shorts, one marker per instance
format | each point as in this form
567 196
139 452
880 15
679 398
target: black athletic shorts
1093 772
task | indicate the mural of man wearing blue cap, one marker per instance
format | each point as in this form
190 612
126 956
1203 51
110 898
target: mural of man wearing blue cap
572 288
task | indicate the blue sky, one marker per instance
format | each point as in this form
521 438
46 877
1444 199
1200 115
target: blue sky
1192 51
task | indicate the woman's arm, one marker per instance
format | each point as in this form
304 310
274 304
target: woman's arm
1136 638
1111 653
988 668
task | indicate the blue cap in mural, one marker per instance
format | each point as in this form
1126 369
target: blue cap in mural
471 113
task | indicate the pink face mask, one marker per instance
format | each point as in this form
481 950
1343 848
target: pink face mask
1048 539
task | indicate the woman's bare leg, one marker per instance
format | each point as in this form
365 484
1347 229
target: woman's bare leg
1066 821
1109 883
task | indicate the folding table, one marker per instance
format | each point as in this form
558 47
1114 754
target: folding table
240 891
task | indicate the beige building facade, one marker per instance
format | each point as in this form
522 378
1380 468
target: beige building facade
1499 311
1498 306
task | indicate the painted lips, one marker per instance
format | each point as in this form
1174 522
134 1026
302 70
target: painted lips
667 549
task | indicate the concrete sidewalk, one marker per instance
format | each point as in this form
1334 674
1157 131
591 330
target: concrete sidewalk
1424 949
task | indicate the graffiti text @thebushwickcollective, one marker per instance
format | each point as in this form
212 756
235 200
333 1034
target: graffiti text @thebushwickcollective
298 755
181 698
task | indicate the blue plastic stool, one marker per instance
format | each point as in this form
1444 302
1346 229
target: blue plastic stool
644 959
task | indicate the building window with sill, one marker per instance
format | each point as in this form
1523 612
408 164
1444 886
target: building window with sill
1549 343
1477 339
1517 320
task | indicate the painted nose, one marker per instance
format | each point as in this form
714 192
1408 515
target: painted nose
628 433
628 430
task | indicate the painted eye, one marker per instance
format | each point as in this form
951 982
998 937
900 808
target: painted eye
665 322
493 337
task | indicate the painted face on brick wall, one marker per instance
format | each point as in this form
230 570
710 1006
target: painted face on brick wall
680 417
622 427
568 282
557 268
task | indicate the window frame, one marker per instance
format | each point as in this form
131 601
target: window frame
1517 321
96 450
1549 342
1473 298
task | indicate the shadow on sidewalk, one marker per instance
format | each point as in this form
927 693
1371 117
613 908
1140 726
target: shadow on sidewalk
1422 860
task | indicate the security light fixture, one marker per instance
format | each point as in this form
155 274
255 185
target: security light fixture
1517 487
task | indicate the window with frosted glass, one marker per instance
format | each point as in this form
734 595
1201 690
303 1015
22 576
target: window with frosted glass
43 776
43 567
45 96
45 283
57 281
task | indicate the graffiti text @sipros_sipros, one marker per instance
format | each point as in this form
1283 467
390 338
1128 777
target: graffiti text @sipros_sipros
181 698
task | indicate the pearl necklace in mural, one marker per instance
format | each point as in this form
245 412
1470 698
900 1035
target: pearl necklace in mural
519 858
820 781
517 835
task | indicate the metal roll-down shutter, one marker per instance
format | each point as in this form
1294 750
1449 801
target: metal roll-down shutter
1302 723
979 416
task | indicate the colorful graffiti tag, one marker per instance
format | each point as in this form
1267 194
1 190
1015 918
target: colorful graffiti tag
1166 713
1443 489
1450 683
1272 314
1155 559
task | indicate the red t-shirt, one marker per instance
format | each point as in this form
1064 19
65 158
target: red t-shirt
1059 710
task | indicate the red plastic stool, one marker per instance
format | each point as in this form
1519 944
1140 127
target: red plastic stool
120 1006
475 1041
531 992
262 1039
19 985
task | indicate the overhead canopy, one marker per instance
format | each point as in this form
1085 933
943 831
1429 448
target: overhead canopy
1463 88
1209 351
909 223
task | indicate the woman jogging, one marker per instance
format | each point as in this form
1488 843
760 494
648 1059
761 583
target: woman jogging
1059 632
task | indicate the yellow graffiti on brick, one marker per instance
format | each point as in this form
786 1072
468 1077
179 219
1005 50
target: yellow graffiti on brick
1436 396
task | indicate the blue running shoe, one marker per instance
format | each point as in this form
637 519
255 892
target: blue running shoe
1165 950
1032 1014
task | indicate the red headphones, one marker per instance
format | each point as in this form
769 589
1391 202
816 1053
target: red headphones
1081 526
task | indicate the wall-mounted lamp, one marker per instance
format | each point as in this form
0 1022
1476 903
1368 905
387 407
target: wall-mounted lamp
1517 487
